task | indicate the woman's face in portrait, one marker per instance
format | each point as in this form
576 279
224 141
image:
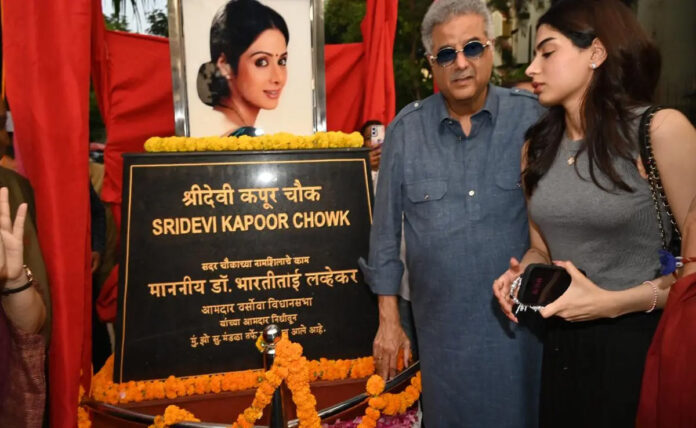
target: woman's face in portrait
262 71
560 70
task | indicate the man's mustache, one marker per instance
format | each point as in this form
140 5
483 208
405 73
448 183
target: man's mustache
461 75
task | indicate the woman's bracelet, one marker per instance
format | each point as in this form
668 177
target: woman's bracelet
681 261
30 281
654 300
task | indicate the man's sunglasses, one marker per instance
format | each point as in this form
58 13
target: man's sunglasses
447 56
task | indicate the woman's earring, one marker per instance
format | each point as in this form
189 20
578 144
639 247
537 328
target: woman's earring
593 66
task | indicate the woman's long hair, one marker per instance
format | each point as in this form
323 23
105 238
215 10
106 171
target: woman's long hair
625 80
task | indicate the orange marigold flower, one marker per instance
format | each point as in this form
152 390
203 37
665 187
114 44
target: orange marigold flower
295 351
216 383
243 423
372 413
267 388
378 403
367 423
252 414
375 385
416 381
392 404
403 404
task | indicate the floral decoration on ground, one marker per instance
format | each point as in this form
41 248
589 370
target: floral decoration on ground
289 365
388 404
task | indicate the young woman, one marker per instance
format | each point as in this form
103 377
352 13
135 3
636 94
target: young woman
247 71
590 206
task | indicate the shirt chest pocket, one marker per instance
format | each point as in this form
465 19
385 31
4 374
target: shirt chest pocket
508 198
425 206
508 180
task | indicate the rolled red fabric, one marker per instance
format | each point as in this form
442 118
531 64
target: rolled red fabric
669 380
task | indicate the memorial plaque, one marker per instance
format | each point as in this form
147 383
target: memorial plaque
217 246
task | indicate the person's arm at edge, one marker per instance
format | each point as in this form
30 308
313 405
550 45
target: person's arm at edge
25 309
384 270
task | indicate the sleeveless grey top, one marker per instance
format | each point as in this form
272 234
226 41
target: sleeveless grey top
612 236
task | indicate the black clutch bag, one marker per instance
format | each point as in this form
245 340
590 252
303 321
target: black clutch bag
539 285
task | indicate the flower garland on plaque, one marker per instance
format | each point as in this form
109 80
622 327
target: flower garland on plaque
279 141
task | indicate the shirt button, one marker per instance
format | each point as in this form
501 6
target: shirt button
471 193
426 196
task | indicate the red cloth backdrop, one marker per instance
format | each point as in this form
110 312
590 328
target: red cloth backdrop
378 30
138 101
360 76
345 83
46 47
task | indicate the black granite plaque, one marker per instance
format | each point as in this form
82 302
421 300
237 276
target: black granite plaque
215 247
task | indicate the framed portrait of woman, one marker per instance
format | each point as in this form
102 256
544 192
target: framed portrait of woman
247 67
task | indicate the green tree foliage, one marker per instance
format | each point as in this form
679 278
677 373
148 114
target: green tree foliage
158 23
342 20
116 22
97 130
412 78
120 5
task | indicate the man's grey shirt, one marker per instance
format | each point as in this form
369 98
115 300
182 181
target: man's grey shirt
464 216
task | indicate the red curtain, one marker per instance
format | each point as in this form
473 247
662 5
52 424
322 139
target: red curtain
134 91
378 29
345 83
360 76
138 100
46 48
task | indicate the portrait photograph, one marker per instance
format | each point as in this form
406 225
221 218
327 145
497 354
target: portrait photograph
246 67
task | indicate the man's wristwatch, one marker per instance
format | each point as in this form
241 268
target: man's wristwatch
30 281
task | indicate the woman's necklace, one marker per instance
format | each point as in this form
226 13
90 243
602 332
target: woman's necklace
571 158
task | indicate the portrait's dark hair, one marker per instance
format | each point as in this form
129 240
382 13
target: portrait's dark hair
234 29
625 80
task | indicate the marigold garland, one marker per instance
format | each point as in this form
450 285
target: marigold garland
279 141
289 365
83 420
105 390
389 404
172 415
